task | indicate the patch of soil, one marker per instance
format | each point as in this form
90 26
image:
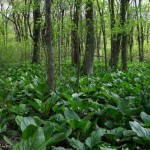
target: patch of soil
6 146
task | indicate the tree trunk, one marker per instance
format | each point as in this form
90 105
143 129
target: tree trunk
90 42
131 44
60 37
75 36
124 5
50 57
140 36
36 31
115 38
101 12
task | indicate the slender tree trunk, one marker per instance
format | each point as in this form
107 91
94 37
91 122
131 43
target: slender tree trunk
36 31
147 34
115 38
50 56
101 12
140 36
60 39
98 44
123 12
25 19
90 42
75 36
5 27
131 44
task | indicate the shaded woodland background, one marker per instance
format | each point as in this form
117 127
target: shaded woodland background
112 24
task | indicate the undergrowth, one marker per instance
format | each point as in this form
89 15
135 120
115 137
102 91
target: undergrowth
111 111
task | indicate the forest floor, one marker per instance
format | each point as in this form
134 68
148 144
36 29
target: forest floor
111 110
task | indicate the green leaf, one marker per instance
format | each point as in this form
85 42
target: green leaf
133 111
77 144
38 102
117 132
95 138
18 109
29 131
70 114
10 142
128 133
56 138
33 142
107 78
145 117
113 111
26 122
140 131
124 105
48 131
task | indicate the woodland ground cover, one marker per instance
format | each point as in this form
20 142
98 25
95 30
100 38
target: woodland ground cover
111 111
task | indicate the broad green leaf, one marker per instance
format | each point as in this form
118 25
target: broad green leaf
75 124
59 148
140 131
95 138
107 77
77 144
48 131
145 117
26 122
70 114
33 142
38 102
18 120
116 98
56 138
124 105
118 132
128 133
113 111
29 131
133 111
23 122
115 134
18 109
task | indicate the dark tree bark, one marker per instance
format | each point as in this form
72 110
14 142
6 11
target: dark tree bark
147 33
131 44
90 42
98 43
36 31
115 38
124 5
50 56
75 36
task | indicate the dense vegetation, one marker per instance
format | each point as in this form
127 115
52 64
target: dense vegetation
74 74
110 111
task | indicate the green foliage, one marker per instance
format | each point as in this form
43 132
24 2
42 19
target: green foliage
104 115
